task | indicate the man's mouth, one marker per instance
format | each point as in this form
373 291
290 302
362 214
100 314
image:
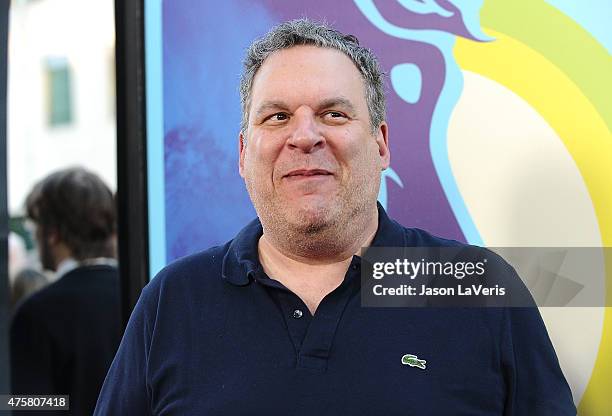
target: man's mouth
307 172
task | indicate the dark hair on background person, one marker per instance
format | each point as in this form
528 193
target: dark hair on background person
79 208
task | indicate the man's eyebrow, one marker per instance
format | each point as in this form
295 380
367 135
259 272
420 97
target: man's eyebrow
337 102
269 105
274 105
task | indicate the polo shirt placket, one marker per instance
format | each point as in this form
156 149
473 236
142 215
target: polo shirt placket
312 336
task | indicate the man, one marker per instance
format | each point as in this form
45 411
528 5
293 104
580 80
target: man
271 323
64 337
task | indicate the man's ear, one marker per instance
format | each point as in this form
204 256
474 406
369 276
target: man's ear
51 236
241 152
382 140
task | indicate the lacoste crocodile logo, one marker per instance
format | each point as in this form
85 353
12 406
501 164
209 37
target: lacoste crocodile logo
413 361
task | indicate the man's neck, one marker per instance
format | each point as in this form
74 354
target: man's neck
313 278
61 254
66 265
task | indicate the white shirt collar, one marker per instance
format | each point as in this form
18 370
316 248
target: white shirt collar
69 264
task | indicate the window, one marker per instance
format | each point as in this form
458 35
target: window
59 89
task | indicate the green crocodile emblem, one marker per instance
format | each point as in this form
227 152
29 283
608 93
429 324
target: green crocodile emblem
413 361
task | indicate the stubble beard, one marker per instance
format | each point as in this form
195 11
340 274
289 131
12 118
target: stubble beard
325 235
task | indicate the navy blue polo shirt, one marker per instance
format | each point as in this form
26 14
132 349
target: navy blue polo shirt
213 335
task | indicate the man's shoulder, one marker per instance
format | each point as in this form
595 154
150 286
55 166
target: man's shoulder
37 306
422 238
45 297
416 237
184 285
86 276
196 269
79 282
78 285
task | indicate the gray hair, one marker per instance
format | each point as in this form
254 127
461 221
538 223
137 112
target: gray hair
306 32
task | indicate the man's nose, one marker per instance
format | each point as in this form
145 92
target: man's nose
306 135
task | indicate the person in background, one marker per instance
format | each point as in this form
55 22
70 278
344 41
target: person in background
63 337
26 282
17 255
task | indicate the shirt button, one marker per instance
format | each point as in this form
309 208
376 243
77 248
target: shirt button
297 314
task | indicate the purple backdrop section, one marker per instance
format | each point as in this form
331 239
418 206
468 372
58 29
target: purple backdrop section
206 203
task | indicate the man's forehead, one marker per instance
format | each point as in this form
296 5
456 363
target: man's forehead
327 74
291 63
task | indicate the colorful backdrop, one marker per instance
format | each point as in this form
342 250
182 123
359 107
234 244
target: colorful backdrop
499 114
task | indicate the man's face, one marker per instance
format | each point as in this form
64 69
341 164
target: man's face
310 159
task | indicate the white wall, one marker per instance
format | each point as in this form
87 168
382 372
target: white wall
83 33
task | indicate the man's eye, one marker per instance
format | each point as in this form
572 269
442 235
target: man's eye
334 115
278 117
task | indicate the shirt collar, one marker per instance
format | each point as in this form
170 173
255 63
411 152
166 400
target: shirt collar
242 257
69 264
66 266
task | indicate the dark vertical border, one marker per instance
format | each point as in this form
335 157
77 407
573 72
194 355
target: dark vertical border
131 151
4 292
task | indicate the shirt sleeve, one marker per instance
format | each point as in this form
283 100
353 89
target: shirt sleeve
125 390
535 383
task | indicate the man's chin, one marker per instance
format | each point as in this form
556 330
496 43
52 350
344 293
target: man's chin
310 220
